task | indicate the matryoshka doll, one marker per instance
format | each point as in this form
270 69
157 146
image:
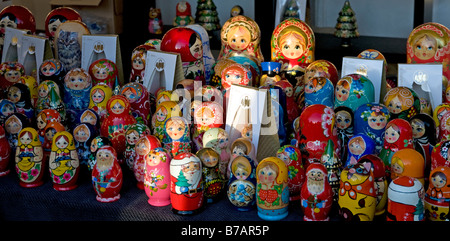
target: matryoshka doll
88 116
319 90
424 136
183 14
107 176
99 96
132 134
439 112
234 74
270 74
212 178
52 69
291 156
48 132
139 99
208 57
186 184
397 136
241 190
155 24
164 111
272 191
16 16
353 90
95 144
44 94
142 149
29 162
206 116
402 102
358 146
357 194
291 106
371 120
316 194
138 57
437 196
32 84
57 16
240 35
10 73
116 122
77 88
14 123
7 107
344 123
408 162
242 147
64 163
440 155
157 177
178 138
405 200
103 71
188 44
83 133
217 138
163 95
5 153
444 127
20 95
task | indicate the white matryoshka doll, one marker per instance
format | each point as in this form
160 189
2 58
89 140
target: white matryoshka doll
405 200
242 184
107 176
217 138
437 196
64 163
206 116
99 96
29 162
402 102
212 178
354 90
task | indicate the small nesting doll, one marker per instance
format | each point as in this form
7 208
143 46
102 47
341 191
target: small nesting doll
208 57
408 162
206 116
7 107
440 155
139 99
64 163
99 96
354 90
44 90
83 133
14 123
29 162
439 112
132 134
142 149
344 124
405 200
272 191
357 194
77 87
52 69
157 177
164 111
183 14
212 178
397 136
32 85
57 16
95 144
242 147
371 120
155 24
163 95
333 165
186 184
10 73
107 177
402 102
103 71
138 57
178 135
358 146
217 138
87 116
48 132
5 153
234 74
444 127
242 184
319 90
424 136
291 106
291 156
19 94
437 197
316 194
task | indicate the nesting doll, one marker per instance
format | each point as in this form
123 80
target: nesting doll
291 108
83 133
208 57
371 120
408 162
139 99
16 16
77 88
291 156
19 94
212 178
424 136
138 57
57 16
444 128
132 134
44 96
142 149
183 14
206 116
344 124
397 136
440 154
402 102
178 138
10 73
188 44
234 74
48 132
95 144
358 146
270 74
29 162
405 200
272 191
103 71
357 195
186 184
14 123
55 102
107 177
164 111
353 90
319 90
240 35
52 69
437 196
64 163
155 24
99 96
241 190
316 194
116 122
7 107
32 84
242 147
5 153
163 95
157 177
217 138
439 112
88 116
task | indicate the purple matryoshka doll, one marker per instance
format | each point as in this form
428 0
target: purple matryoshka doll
5 153
132 134
344 123
178 135
353 90
242 184
95 144
138 57
142 149
212 177
217 138
103 71
402 102
64 163
157 177
405 200
207 115
29 162
99 96
424 136
52 69
437 196
107 176
83 133
10 73
139 99
358 146
371 120
291 156
319 90
20 95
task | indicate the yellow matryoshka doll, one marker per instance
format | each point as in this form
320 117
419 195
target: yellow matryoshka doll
437 197
163 112
99 96
30 166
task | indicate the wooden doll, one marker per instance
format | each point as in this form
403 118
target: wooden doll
333 164
132 134
99 96
186 184
77 88
19 94
52 69
405 200
354 90
272 192
87 116
64 163
291 106
424 136
157 177
44 90
242 184
95 144
56 102
163 112
443 128
7 107
270 74
217 138
408 162
83 133
138 57
357 195
402 102
163 95
319 90
116 122
142 149
14 123
10 73
206 116
437 196
178 136
139 99
234 74
316 194
183 14
155 24
5 153
344 123
49 131
291 156
212 178
242 147
358 146
32 85
103 71
29 162
16 16
208 57
57 16
107 177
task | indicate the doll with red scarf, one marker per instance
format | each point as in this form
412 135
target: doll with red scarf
139 99
138 57
183 15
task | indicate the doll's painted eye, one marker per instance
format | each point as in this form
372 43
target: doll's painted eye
242 40
344 92
179 129
419 47
233 40
286 46
430 48
297 46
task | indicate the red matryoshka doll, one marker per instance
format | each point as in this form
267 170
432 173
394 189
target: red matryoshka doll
188 44
139 99
99 96
10 73
397 136
32 84
14 123
272 191
5 153
440 155
16 16
186 184
291 106
240 35
157 177
357 194
132 134
408 162
437 197
178 135
29 162
353 90
242 184
20 95
138 57
103 71
155 24
57 16
64 163
291 156
95 144
206 116
107 177
183 14
333 165
424 136
116 122
142 149
234 74
212 178
164 111
405 200
402 102
217 138
48 132
316 194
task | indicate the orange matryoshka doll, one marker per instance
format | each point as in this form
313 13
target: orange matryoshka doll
30 164
437 197
99 96
107 177
64 164
408 162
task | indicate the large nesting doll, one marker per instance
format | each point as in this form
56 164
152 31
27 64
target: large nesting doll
241 190
29 162
107 177
10 73
64 163
139 99
291 156
157 177
212 178
408 162
5 153
358 146
142 149
402 102
405 200
207 115
371 120
354 90
57 16
437 196
132 134
217 138
178 138
99 96
103 71
424 136
164 111
208 58
138 57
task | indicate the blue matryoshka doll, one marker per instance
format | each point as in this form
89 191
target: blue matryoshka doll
178 139
83 133
371 119
77 88
89 116
242 183
319 90
7 107
270 73
344 125
14 123
353 90
358 146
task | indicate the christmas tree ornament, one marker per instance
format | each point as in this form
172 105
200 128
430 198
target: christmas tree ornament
346 27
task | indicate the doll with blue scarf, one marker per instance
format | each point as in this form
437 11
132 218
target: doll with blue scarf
77 87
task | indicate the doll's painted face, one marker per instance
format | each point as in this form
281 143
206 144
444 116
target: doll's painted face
104 158
395 105
48 69
25 139
210 160
41 123
418 128
223 140
342 90
240 150
284 157
153 159
77 82
247 131
13 125
7 22
142 147
397 166
233 76
131 94
268 174
438 180
43 91
425 47
88 117
292 46
377 122
204 117
7 109
343 119
357 146
316 181
196 49
13 76
118 108
161 114
239 38
62 142
391 135
53 26
175 129
14 94
132 137
289 91
50 132
313 85
101 73
241 172
81 133
98 96
138 63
